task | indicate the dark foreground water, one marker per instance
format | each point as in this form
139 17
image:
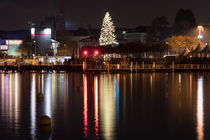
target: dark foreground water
107 106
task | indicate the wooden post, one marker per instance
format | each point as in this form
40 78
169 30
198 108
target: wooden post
143 65
153 66
173 66
131 66
118 66
84 66
136 66
108 67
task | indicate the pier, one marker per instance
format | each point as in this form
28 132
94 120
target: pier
108 67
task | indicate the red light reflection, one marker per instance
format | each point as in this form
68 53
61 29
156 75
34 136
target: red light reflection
85 107
96 116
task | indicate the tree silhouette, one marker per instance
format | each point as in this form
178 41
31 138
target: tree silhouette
159 30
184 21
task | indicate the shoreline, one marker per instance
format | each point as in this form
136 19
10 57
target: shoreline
112 68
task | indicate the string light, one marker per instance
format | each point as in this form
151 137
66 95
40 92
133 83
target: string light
107 36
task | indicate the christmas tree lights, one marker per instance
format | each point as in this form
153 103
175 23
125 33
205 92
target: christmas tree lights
107 36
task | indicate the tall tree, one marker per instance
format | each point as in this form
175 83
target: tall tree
184 21
107 36
159 30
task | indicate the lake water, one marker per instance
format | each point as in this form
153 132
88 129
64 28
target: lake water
168 106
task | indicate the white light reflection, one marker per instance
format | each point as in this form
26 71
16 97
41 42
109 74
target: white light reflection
42 83
180 82
48 95
17 94
10 95
200 113
33 105
107 106
6 95
2 92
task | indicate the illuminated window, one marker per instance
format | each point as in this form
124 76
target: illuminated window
14 42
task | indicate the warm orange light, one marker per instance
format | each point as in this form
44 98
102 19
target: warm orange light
200 110
200 27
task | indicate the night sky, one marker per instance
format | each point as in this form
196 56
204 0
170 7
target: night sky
126 13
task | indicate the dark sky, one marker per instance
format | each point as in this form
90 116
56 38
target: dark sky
126 13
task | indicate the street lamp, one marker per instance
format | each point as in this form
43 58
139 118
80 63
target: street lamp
35 45
200 31
33 35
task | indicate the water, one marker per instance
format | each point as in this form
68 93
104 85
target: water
106 106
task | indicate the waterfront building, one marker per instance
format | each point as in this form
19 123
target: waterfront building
10 41
196 51
128 35
205 52
41 36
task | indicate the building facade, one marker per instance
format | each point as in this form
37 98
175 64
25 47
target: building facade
10 42
42 38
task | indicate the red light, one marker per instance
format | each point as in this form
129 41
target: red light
85 52
96 52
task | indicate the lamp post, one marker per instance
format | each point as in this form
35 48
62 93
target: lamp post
33 37
35 47
200 32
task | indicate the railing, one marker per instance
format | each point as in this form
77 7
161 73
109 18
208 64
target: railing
129 67
114 67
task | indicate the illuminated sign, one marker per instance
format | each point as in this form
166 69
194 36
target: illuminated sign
3 47
14 42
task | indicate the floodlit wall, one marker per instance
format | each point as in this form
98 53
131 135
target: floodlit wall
13 50
43 40
10 47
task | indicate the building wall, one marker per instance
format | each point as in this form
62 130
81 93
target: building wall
43 40
10 47
135 37
13 50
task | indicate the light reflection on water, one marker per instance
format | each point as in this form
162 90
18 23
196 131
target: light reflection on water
200 114
47 95
105 106
85 112
33 106
10 100
108 108
96 106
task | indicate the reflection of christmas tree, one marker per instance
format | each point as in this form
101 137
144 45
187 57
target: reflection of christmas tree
108 36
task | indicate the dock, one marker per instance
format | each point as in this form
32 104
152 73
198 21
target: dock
131 67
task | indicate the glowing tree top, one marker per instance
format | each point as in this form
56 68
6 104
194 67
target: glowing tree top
107 36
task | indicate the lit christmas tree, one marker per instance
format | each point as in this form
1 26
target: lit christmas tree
107 36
